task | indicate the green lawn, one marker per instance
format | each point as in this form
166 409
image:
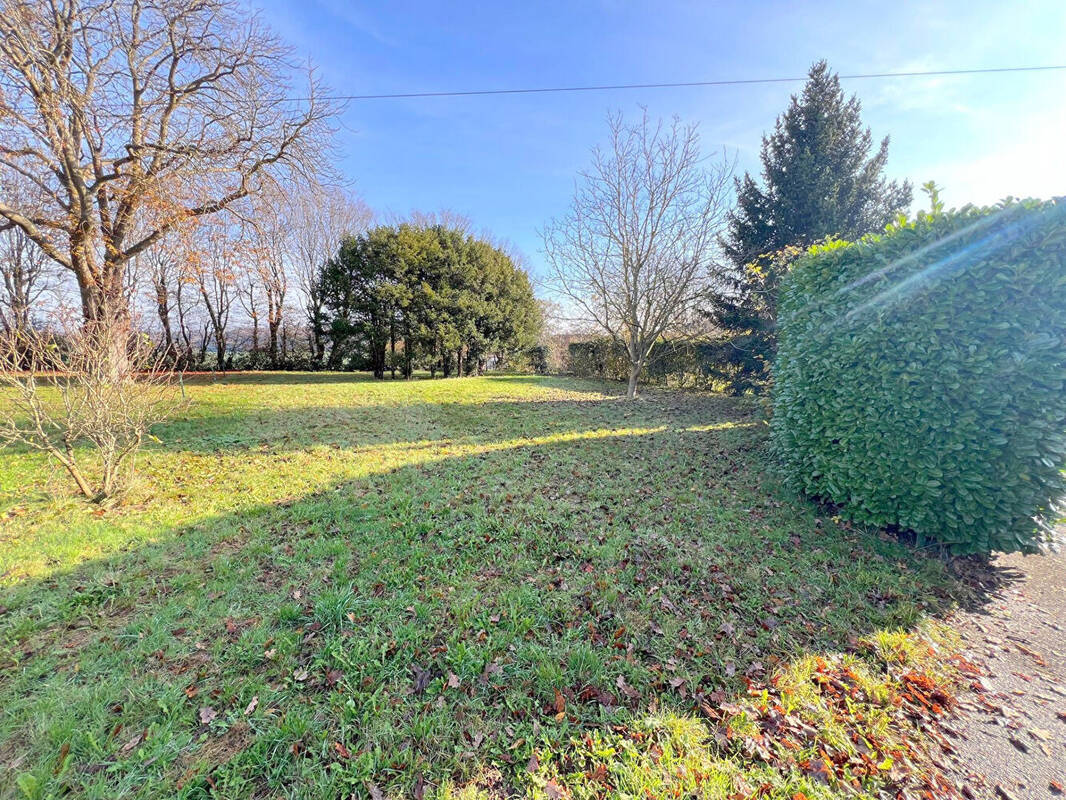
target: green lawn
325 586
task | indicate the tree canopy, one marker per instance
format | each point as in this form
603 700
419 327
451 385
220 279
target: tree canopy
819 177
406 296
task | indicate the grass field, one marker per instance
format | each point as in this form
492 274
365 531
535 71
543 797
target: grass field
324 586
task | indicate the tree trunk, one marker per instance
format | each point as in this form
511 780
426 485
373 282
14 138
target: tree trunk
334 360
377 359
183 328
638 355
273 325
205 338
315 340
106 312
408 363
392 344
318 348
103 295
634 373
162 306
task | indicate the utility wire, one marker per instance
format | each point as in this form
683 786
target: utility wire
684 84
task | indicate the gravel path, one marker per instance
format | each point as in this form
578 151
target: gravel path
1010 735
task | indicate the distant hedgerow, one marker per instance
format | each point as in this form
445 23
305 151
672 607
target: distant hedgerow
686 362
920 380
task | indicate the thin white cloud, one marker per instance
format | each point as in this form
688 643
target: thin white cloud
358 19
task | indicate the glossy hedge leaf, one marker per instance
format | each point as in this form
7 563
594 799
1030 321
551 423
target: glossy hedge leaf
921 375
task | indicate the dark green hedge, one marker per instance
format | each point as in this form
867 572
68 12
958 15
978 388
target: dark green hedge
598 358
920 380
685 364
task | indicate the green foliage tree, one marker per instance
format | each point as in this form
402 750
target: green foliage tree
408 296
741 361
819 180
921 376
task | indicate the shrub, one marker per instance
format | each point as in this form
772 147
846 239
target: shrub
921 375
532 360
538 357
87 399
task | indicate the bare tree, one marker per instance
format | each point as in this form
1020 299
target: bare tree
129 117
274 275
274 236
214 260
217 289
164 273
444 218
248 295
319 220
184 302
633 253
22 268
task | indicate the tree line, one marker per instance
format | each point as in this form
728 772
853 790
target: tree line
242 290
308 284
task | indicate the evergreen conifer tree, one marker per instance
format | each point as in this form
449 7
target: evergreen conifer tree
819 179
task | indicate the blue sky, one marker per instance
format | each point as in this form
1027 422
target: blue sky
509 162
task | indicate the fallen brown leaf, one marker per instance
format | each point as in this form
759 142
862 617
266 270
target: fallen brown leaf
554 791
63 752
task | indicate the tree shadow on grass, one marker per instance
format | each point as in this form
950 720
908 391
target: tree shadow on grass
204 428
280 378
428 618
273 378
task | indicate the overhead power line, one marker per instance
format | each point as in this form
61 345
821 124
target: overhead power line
686 84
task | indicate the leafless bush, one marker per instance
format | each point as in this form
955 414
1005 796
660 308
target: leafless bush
88 399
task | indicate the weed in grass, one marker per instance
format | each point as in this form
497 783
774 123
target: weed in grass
335 608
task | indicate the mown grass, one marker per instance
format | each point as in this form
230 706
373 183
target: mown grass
324 586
